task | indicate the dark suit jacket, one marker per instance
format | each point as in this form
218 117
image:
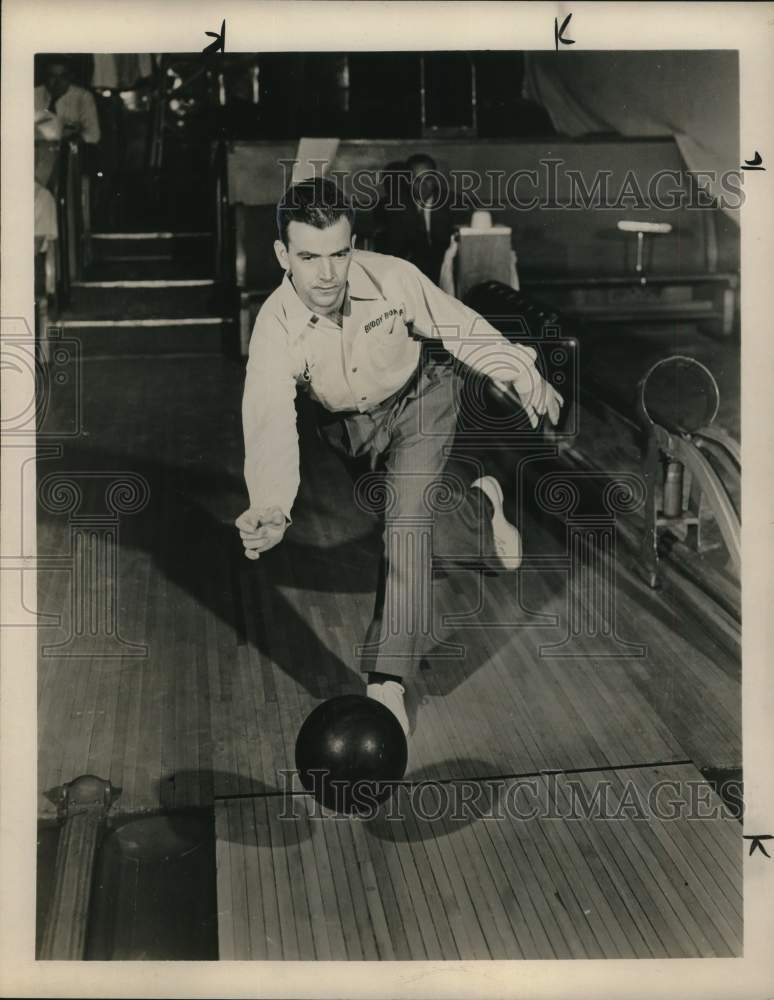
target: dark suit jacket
403 234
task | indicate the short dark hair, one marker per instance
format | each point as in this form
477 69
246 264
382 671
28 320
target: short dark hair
54 59
421 160
318 202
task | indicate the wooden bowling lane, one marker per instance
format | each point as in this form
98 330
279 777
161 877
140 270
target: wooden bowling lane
240 652
569 866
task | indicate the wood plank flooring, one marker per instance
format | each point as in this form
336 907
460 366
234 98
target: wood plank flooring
521 863
239 652
539 870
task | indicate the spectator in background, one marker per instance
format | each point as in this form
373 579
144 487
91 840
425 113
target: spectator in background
73 106
45 218
394 192
419 228
46 233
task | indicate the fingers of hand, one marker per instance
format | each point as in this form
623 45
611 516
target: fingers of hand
558 402
554 403
254 536
546 398
247 521
532 397
261 540
252 520
525 399
537 391
537 397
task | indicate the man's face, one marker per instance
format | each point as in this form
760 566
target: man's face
318 262
424 183
57 79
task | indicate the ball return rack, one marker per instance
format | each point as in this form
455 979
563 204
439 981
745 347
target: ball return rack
682 454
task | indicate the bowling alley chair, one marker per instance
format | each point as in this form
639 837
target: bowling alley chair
478 252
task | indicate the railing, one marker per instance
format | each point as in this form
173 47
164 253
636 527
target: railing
73 217
222 242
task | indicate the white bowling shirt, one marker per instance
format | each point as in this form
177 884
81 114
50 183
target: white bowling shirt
389 305
75 107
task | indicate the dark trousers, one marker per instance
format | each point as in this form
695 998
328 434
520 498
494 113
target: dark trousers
429 511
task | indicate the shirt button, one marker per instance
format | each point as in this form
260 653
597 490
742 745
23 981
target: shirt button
364 398
354 369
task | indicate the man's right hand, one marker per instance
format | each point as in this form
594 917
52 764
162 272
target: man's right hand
261 530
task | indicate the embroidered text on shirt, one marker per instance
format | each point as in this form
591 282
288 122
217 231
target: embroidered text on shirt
379 319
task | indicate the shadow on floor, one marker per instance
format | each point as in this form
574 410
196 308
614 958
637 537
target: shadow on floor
187 528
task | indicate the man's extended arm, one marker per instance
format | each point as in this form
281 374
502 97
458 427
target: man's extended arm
269 421
476 343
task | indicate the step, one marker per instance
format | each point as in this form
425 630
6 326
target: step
133 215
150 234
211 335
148 244
188 298
164 267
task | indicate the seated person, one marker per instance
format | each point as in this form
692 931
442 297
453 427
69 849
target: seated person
48 136
73 106
45 263
45 218
394 192
419 226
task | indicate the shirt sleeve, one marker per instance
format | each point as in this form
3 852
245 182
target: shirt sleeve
269 419
89 119
464 333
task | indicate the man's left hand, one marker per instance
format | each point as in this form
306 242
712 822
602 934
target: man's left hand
535 395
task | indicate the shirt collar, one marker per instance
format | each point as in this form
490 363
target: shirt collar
298 315
360 286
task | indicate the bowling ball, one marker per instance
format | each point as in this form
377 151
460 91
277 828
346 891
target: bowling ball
349 750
